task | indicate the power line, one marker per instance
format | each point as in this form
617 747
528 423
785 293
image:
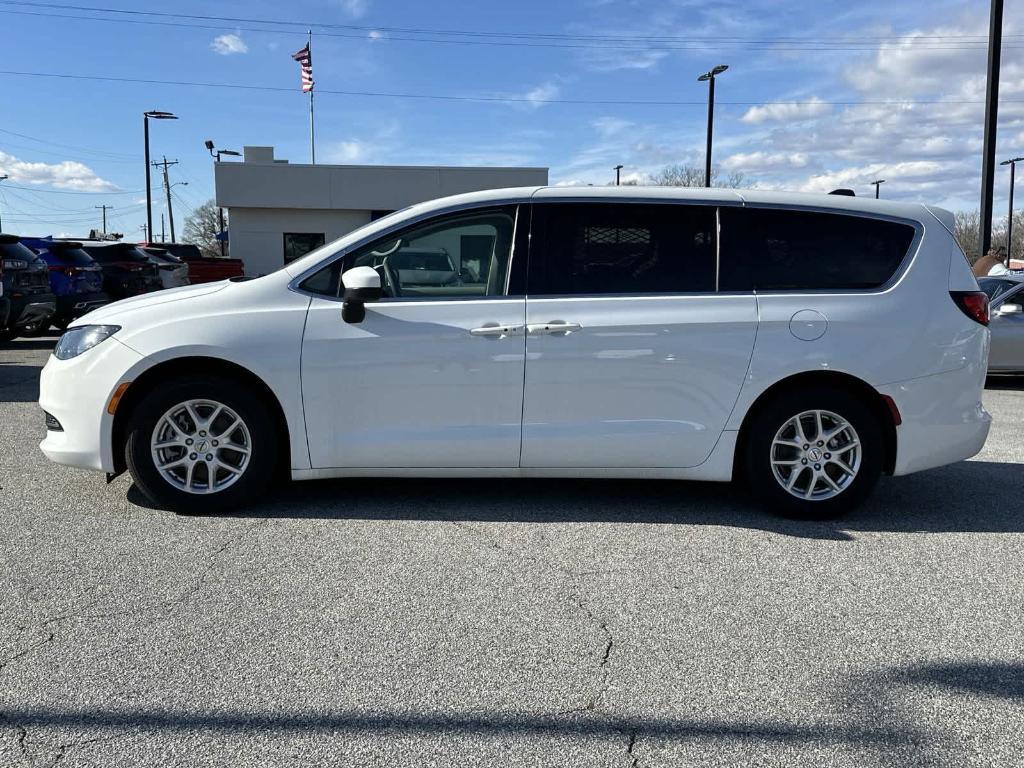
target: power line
101 152
76 191
633 39
485 98
530 40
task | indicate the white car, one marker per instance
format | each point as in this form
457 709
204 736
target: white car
804 343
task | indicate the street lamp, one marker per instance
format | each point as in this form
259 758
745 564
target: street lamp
215 154
1009 221
2 178
617 169
878 183
710 77
155 114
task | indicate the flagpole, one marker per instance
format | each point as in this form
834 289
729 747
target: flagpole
312 133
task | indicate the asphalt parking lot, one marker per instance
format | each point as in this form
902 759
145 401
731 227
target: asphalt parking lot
510 623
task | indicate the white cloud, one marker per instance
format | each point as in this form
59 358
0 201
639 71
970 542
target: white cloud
350 151
542 94
788 111
226 45
752 162
354 8
375 35
68 174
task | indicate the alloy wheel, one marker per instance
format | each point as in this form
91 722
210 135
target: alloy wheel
816 455
201 446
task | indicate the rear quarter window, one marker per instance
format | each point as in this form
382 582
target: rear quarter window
769 249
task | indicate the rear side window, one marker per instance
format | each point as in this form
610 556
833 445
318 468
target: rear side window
608 248
76 257
17 251
778 250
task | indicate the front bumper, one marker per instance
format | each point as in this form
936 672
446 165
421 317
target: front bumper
76 393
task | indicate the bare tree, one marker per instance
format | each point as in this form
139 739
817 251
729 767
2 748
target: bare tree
967 228
967 231
692 176
201 228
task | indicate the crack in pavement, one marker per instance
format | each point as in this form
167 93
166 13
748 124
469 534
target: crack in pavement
634 761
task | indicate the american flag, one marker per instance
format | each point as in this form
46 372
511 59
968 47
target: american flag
305 59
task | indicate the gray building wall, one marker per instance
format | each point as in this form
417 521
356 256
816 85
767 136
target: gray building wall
266 198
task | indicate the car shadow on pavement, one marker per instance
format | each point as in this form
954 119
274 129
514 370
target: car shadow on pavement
966 497
894 727
19 382
1004 382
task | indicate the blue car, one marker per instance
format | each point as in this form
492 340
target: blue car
75 278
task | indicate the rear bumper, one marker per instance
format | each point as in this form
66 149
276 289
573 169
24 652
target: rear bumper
77 304
31 309
944 420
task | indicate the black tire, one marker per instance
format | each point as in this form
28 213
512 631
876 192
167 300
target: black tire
6 334
759 452
253 411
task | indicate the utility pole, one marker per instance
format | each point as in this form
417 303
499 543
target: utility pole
165 164
988 159
2 178
104 209
154 114
878 183
145 233
617 169
163 233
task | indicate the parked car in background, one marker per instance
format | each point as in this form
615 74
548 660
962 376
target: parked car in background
173 271
1006 294
75 278
127 271
202 269
609 332
26 281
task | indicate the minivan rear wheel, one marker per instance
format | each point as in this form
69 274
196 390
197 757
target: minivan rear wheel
201 445
814 452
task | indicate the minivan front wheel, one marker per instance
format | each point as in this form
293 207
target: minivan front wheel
200 445
814 452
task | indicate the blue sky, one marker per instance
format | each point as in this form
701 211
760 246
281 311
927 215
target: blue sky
871 90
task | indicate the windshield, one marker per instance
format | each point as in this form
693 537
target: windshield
108 253
17 251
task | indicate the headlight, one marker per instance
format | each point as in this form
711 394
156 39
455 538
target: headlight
81 339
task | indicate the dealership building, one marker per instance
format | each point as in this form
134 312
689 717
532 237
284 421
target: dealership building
278 211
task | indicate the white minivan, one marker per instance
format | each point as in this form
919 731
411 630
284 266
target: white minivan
803 344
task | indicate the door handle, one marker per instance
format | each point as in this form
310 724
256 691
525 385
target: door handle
552 328
497 331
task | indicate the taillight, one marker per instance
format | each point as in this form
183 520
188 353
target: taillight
974 304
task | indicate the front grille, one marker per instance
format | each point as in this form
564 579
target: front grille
51 423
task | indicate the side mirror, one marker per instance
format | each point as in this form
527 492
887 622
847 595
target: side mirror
362 285
1011 309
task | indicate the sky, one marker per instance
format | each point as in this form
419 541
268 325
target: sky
818 95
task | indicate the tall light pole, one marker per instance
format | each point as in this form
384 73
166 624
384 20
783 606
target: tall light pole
877 183
988 158
155 114
2 178
215 154
617 169
1009 219
710 77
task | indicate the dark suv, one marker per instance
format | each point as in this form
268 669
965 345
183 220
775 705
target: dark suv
75 278
26 281
127 271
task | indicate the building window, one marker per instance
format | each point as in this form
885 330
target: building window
298 244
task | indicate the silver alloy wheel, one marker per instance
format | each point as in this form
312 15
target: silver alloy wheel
201 446
816 455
